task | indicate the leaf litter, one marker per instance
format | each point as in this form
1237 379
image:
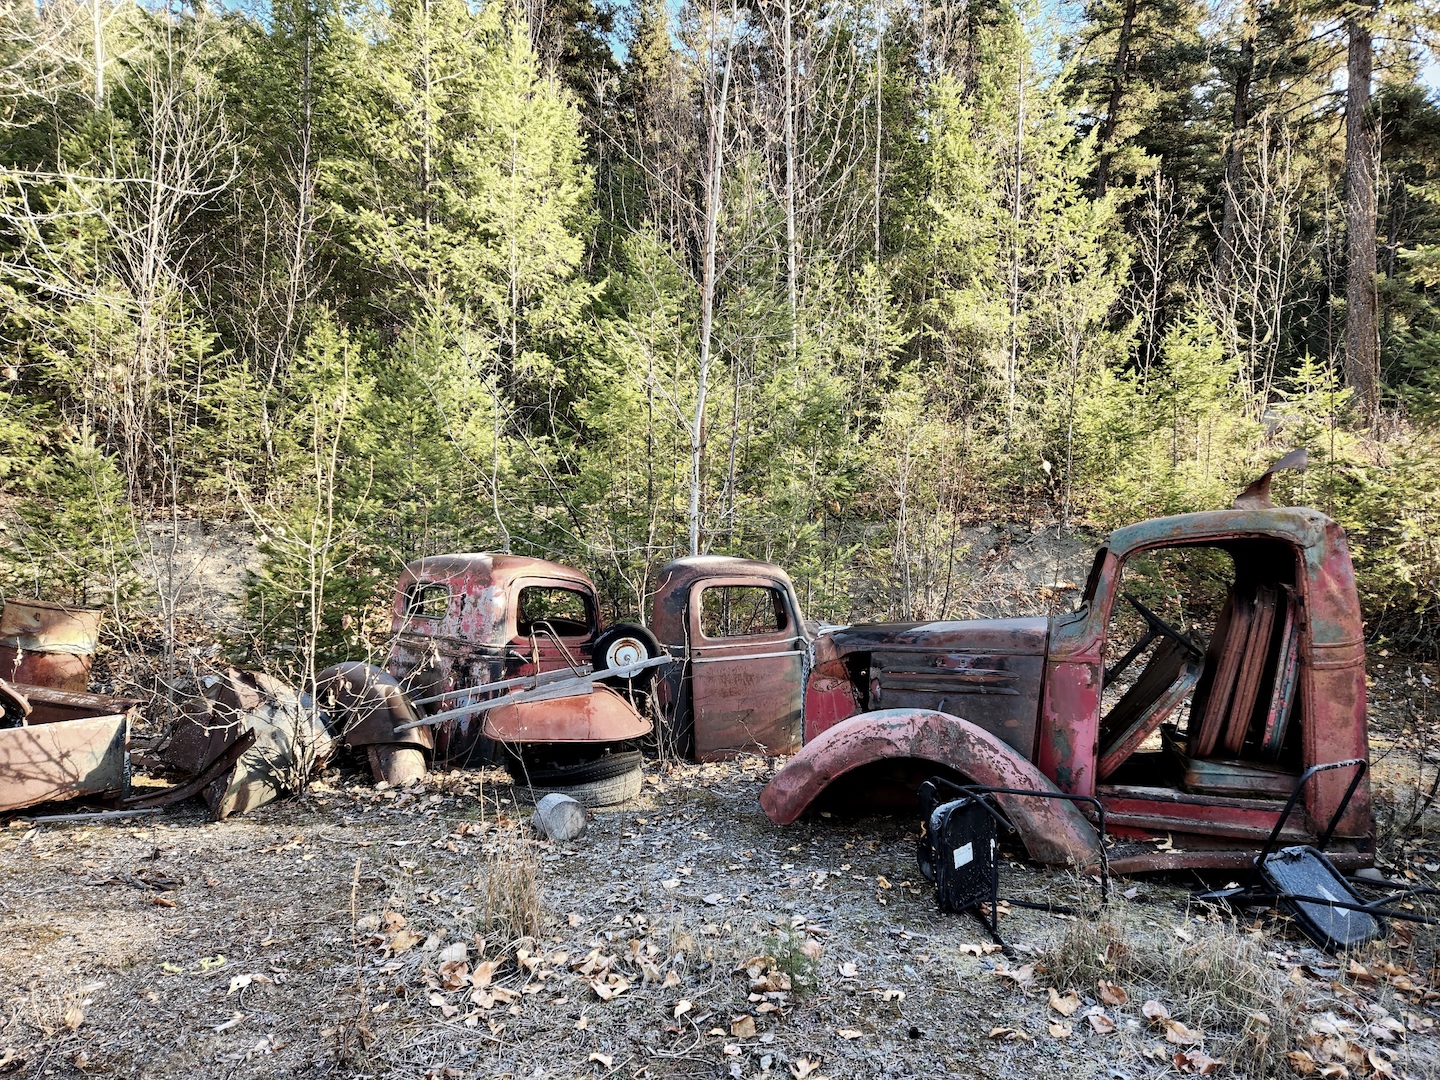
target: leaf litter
683 936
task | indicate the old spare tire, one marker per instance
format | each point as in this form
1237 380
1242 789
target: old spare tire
622 645
602 781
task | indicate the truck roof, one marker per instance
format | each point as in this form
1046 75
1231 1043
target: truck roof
482 569
1299 525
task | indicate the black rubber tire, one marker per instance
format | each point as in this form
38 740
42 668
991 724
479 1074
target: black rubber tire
597 793
603 781
606 767
624 643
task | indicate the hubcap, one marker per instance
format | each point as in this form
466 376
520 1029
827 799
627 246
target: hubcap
625 652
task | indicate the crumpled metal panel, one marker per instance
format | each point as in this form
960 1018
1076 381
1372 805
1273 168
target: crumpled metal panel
290 740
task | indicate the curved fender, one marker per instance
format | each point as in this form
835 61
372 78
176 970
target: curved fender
365 705
1054 830
600 716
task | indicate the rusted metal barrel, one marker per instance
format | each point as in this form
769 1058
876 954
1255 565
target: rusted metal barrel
47 644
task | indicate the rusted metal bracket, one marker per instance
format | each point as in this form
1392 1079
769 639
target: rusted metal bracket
217 768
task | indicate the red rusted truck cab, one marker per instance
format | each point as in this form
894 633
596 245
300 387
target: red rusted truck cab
460 620
1279 689
736 628
1191 738
464 628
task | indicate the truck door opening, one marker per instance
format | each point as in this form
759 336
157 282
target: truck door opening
1201 688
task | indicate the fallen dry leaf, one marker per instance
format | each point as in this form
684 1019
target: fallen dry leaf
1021 976
454 974
982 949
672 980
1359 972
1112 993
683 1006
1102 1024
803 1067
602 1059
74 1017
235 1018
1155 1012
1009 1033
743 1027
1330 1024
1059 1030
1302 1063
1066 1004
1196 1061
849 1033
1179 1034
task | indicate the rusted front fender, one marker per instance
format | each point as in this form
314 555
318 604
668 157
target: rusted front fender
365 705
598 716
1054 831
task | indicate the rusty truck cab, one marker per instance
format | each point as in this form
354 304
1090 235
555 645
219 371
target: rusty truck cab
1192 728
482 617
469 619
736 625
1205 744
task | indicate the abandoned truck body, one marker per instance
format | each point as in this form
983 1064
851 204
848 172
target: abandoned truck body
1199 751
466 630
1191 737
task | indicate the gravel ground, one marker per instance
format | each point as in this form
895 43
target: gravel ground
428 933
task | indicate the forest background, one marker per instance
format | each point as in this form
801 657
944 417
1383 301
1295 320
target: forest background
817 282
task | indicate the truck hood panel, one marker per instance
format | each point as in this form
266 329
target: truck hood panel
1022 637
986 671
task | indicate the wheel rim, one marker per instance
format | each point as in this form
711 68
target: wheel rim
625 652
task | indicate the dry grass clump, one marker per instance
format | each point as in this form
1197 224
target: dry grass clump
1202 969
511 904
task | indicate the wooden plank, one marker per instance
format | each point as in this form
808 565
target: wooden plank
1287 679
1222 665
1252 669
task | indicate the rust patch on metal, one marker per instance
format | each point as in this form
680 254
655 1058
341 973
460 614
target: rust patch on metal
48 644
1054 831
